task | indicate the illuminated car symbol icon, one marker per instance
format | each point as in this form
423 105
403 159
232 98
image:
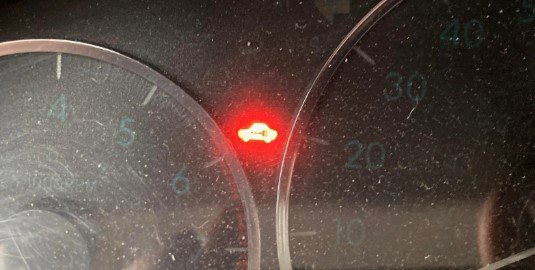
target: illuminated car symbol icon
258 132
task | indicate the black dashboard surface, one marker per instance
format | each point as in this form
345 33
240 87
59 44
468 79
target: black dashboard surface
376 165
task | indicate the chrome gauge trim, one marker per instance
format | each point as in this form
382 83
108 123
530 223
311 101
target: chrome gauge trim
176 92
301 116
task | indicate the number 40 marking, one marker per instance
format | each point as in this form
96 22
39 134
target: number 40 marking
452 33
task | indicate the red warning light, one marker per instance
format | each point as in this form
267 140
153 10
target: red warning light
255 121
258 132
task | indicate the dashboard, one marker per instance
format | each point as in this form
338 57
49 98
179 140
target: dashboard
321 134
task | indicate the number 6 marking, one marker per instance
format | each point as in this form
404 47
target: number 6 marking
180 178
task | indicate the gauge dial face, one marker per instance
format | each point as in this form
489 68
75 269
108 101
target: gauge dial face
105 164
419 152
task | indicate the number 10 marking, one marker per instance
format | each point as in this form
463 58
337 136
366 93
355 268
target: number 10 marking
346 234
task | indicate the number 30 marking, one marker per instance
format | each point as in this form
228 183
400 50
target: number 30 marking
410 85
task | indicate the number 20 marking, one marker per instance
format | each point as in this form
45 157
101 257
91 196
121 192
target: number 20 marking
352 162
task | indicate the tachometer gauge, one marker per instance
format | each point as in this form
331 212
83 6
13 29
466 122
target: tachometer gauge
413 147
105 164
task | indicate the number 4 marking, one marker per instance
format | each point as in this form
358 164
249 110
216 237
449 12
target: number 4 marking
58 109
451 33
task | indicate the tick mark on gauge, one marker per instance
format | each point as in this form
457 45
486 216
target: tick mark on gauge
58 66
236 249
318 140
364 55
213 162
510 260
304 234
149 96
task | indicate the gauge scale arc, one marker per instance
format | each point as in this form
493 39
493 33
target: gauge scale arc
106 164
412 148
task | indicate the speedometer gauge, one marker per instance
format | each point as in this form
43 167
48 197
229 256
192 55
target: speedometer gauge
105 164
413 147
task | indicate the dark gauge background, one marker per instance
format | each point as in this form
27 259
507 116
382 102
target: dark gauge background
102 167
227 55
420 154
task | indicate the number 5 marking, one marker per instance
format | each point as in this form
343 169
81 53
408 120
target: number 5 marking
129 133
